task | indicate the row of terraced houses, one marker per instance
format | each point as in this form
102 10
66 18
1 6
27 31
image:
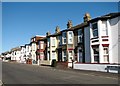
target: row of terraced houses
93 42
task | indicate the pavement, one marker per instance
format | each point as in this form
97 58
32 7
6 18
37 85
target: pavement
16 73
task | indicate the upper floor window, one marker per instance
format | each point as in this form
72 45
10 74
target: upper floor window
64 37
48 42
53 41
70 34
95 30
27 48
15 53
34 47
42 45
34 39
80 35
60 39
70 37
104 28
64 34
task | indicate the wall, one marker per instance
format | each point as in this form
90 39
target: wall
114 39
87 44
97 67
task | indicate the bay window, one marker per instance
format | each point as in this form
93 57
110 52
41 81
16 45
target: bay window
64 55
96 54
42 46
48 42
53 54
53 41
70 37
105 54
95 30
64 37
104 28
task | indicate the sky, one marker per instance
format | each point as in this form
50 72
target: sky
23 20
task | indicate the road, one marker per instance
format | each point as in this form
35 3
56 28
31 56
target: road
15 73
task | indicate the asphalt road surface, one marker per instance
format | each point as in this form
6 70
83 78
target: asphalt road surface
15 73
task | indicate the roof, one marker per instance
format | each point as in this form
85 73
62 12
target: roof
105 17
55 34
16 49
42 39
84 24
7 52
37 36
27 44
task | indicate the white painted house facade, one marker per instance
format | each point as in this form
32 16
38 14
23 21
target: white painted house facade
22 56
51 49
16 54
28 51
104 40
101 44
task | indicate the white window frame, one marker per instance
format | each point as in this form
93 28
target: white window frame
70 53
64 55
53 55
104 29
70 34
42 46
94 54
34 47
48 42
70 37
53 41
106 53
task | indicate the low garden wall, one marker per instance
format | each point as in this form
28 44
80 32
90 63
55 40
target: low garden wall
112 68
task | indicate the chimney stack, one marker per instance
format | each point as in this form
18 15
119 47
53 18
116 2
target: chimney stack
87 17
57 30
69 24
48 33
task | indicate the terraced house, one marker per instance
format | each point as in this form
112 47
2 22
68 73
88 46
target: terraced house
16 54
34 48
67 45
28 54
51 47
104 38
101 43
82 41
23 54
92 44
42 51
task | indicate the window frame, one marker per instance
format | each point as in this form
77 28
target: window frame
80 35
95 30
64 37
106 53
